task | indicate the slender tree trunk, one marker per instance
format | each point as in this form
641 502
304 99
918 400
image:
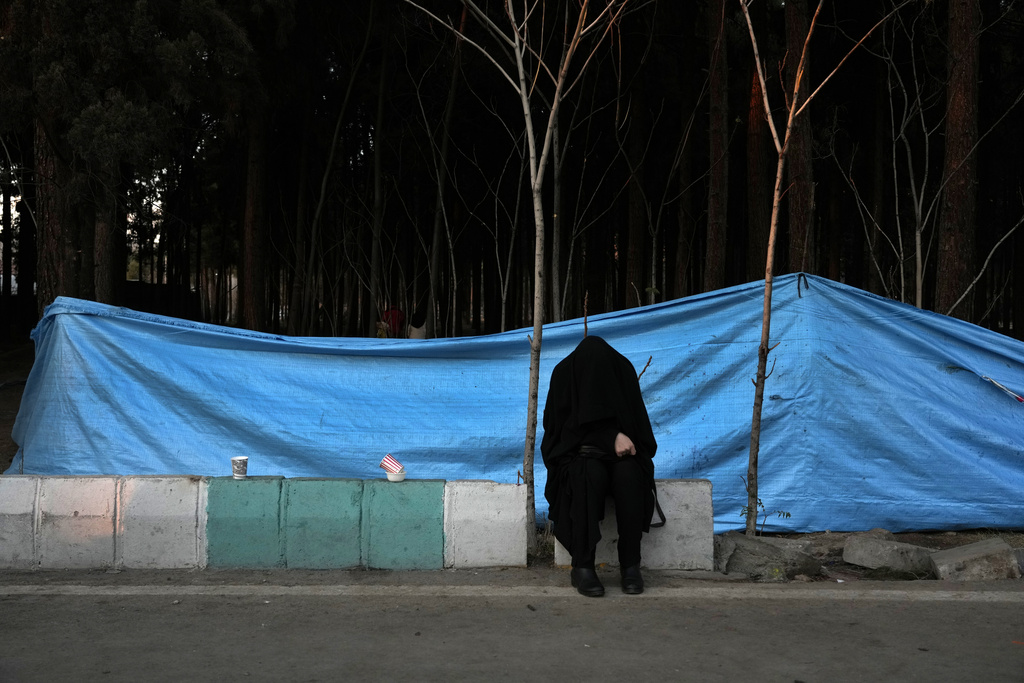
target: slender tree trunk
762 354
683 275
58 244
759 192
312 276
104 247
800 190
639 218
881 156
301 212
718 181
685 263
956 230
557 158
436 243
376 302
253 285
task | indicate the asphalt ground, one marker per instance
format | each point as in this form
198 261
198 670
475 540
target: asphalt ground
500 624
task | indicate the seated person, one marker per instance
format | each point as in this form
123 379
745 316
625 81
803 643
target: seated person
598 441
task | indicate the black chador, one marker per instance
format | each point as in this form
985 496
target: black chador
597 442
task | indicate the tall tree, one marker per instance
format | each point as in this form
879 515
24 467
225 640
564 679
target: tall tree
794 108
800 192
253 284
718 179
956 236
541 78
759 190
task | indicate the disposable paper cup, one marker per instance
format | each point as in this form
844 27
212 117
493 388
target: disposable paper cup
239 465
389 464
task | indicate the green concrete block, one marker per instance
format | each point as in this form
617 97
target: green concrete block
403 524
243 523
321 523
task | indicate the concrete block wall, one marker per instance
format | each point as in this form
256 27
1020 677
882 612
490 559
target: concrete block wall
75 528
322 523
18 497
160 522
173 522
686 541
243 523
403 524
484 524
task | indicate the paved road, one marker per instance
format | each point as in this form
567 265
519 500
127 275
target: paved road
521 624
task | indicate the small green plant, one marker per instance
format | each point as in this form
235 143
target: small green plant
746 513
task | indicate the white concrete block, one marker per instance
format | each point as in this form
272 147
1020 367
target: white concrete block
158 522
484 524
18 495
687 541
76 522
202 549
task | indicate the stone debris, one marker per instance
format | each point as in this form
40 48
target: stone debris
875 551
762 560
772 559
990 559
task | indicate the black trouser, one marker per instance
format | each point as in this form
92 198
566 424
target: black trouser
591 481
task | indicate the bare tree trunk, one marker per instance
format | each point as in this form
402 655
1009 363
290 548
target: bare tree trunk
639 218
311 276
515 37
376 303
718 181
685 262
557 158
253 285
880 148
434 272
956 237
762 350
759 192
58 245
800 190
104 248
299 247
793 110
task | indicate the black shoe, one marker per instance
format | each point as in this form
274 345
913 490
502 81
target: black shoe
586 582
632 582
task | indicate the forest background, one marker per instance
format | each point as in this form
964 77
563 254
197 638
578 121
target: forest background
299 167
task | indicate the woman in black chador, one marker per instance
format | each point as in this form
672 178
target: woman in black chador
598 441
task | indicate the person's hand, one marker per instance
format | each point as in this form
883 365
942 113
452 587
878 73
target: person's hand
624 445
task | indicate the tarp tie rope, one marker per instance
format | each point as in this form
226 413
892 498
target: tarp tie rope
799 277
1020 399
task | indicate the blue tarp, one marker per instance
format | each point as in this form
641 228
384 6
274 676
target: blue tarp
876 414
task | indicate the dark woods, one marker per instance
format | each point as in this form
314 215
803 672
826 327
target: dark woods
303 167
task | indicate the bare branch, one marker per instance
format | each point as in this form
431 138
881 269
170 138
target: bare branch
984 266
492 29
760 75
649 359
852 49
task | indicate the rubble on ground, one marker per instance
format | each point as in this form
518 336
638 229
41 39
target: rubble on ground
762 559
877 554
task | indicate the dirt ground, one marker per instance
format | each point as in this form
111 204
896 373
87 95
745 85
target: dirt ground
16 362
